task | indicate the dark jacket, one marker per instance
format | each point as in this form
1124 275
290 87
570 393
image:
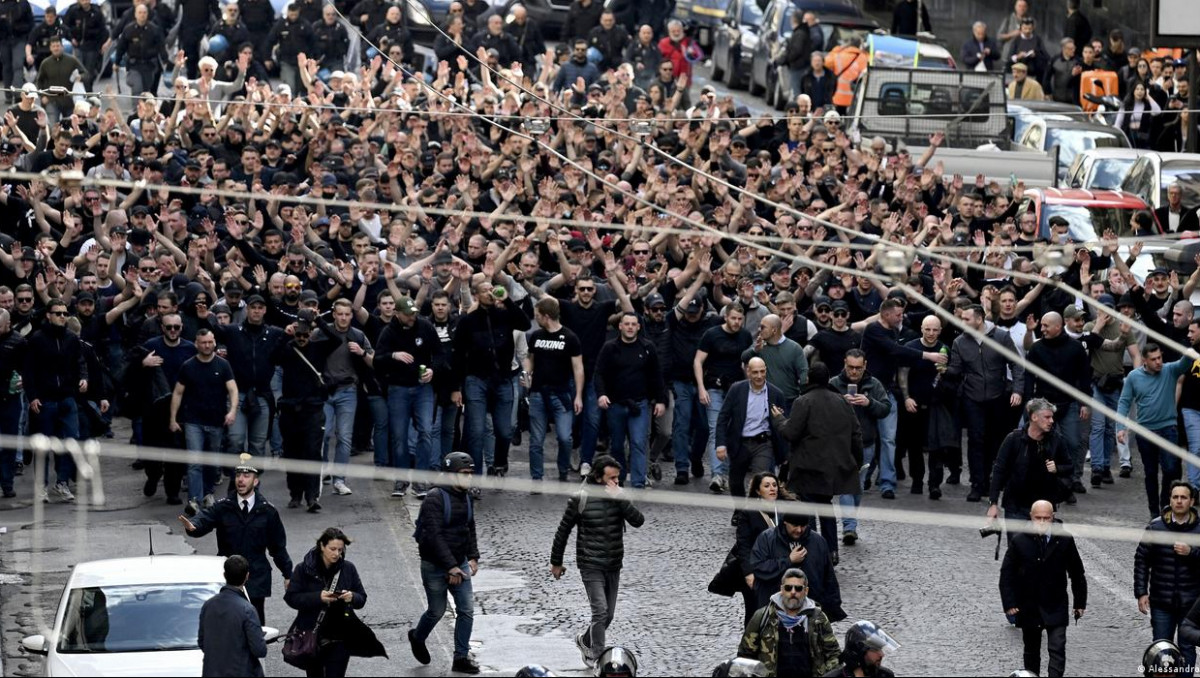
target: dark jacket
982 370
530 43
750 525
291 38
732 419
1062 356
55 364
611 43
971 50
249 349
1172 581
1188 220
87 29
905 16
13 350
421 341
1034 575
600 543
581 20
251 537
16 19
446 546
868 416
571 71
629 371
502 43
1021 471
826 442
302 380
770 559
230 635
304 595
331 43
799 50
483 341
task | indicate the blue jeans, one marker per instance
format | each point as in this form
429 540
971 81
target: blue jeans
1152 458
716 398
411 406
686 401
1067 418
436 584
1165 624
10 425
483 398
1191 424
590 430
276 436
379 429
445 422
340 409
202 477
851 502
60 419
633 422
544 406
1104 432
887 447
255 428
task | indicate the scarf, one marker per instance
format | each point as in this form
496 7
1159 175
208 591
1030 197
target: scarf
788 621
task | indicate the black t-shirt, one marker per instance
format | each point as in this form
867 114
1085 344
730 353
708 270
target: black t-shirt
685 337
723 366
590 325
204 396
552 353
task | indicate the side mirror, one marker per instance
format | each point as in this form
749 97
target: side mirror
270 634
35 644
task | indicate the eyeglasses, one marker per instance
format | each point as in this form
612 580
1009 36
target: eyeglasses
148 270
794 587
841 314
292 286
764 257
585 289
170 328
24 300
641 252
57 313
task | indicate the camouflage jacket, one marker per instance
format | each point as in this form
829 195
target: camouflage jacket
761 638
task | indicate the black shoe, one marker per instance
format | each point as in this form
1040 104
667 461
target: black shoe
917 488
974 497
955 478
888 494
935 494
173 500
682 479
464 665
1125 471
500 471
294 504
736 518
1096 479
1078 488
834 557
420 652
562 477
867 484
849 538
137 465
656 472
1071 499
9 493
516 439
697 470
491 471
150 487
314 507
1106 477
900 473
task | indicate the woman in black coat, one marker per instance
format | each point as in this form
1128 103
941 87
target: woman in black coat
751 523
341 634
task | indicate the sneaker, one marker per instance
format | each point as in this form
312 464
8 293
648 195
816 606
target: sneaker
718 485
682 479
420 490
584 651
1072 499
9 493
314 506
339 487
585 469
562 476
833 557
420 652
400 489
1126 471
150 487
475 493
209 501
465 665
45 497
191 509
20 469
1078 488
655 471
64 491
536 490
1097 478
850 537
917 488
326 480
887 494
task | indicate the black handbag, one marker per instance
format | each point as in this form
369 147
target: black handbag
729 579
301 647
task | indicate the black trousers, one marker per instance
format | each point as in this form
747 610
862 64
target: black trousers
912 431
155 433
755 457
302 426
987 423
259 604
331 661
1056 645
828 523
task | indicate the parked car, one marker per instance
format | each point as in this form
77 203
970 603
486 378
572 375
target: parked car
1101 167
1153 173
1023 112
425 16
132 616
1070 137
734 41
550 15
839 21
703 17
1090 214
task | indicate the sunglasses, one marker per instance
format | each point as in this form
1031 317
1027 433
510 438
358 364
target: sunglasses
303 335
794 587
641 252
148 270
585 289
841 314
25 300
57 313
292 286
172 327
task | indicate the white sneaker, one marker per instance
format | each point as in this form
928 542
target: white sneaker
339 487
585 469
45 496
64 491
209 501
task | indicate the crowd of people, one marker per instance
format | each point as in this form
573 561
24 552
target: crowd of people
369 260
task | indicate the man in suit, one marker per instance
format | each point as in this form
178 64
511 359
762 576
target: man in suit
1033 587
1173 216
746 436
230 634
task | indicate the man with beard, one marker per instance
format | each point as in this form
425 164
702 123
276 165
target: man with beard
578 67
1057 353
204 404
792 544
771 636
343 364
156 365
54 375
832 343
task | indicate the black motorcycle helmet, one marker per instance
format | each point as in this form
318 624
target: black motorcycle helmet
534 671
1163 658
740 666
617 662
457 461
861 638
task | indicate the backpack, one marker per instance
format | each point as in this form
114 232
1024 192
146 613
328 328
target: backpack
418 533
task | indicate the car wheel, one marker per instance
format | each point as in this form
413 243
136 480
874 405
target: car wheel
781 97
753 87
770 91
731 74
717 73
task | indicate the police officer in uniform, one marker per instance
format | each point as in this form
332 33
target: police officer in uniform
290 36
37 48
88 34
142 44
16 20
331 40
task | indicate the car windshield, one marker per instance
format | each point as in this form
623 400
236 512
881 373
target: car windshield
1109 172
139 618
752 14
1187 175
1089 223
1071 142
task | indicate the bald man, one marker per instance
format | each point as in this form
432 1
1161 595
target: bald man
1033 587
919 388
745 436
1058 354
787 366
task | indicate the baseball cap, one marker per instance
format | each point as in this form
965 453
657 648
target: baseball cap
308 295
1160 270
839 305
655 300
694 306
255 299
7 148
406 306
576 244
1107 300
1073 312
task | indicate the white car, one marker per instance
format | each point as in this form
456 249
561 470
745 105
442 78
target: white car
132 617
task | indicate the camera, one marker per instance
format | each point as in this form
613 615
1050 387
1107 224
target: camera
989 531
641 127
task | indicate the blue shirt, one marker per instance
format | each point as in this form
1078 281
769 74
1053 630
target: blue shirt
1153 393
757 410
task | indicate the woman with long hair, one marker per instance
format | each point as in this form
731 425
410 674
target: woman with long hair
1137 116
751 523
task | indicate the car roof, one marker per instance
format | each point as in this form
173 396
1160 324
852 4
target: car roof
165 569
1083 196
842 7
1180 158
1042 106
1064 123
1108 152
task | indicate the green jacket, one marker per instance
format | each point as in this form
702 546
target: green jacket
761 638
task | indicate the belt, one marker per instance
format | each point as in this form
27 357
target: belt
760 437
